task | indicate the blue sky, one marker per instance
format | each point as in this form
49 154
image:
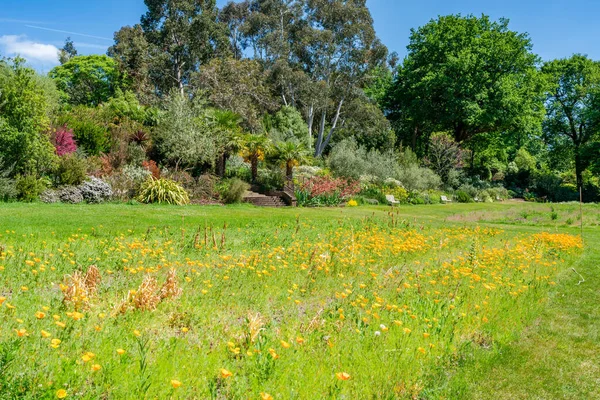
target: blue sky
33 28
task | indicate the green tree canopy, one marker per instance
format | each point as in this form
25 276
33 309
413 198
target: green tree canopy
87 80
467 75
573 107
24 119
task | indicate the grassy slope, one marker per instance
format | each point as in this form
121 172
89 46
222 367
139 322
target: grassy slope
556 357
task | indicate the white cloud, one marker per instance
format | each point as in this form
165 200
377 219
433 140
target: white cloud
13 45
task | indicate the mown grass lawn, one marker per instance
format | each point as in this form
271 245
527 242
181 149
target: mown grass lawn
447 301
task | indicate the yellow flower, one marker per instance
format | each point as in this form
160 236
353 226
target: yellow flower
40 315
265 396
175 383
54 343
342 376
137 333
426 335
421 350
285 344
352 203
121 352
273 354
61 324
46 334
299 340
96 367
61 393
225 373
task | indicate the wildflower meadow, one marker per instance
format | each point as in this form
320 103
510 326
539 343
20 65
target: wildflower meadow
242 303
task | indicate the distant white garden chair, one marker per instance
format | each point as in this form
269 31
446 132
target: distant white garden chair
391 199
444 199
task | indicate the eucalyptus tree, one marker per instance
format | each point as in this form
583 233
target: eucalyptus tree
184 34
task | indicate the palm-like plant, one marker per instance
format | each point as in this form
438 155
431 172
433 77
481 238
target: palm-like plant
227 124
291 154
253 150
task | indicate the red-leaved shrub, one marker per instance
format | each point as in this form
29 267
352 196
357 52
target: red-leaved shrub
63 141
324 185
151 166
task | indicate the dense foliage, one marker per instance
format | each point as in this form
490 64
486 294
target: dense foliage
278 93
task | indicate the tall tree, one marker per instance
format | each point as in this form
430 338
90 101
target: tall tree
25 146
235 15
337 48
87 80
573 106
132 52
239 86
467 75
67 52
185 34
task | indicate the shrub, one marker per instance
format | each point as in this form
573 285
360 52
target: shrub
203 188
88 128
399 193
349 160
151 166
232 190
63 141
136 154
463 196
8 189
326 191
70 194
29 187
271 179
50 196
416 178
95 190
163 191
71 170
373 192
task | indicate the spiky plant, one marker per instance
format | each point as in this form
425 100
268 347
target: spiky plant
163 191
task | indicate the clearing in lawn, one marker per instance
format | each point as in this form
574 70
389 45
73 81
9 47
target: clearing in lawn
117 301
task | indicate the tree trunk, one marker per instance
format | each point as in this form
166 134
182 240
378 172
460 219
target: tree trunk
414 139
254 168
324 145
289 170
578 167
320 136
311 117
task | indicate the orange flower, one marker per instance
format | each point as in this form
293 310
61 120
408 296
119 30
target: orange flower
265 396
342 376
285 344
175 383
21 332
121 352
40 315
225 373
61 393
299 340
2 300
96 367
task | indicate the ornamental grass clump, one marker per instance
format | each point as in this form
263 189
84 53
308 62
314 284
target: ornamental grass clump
163 191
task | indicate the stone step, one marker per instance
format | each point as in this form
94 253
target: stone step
264 201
